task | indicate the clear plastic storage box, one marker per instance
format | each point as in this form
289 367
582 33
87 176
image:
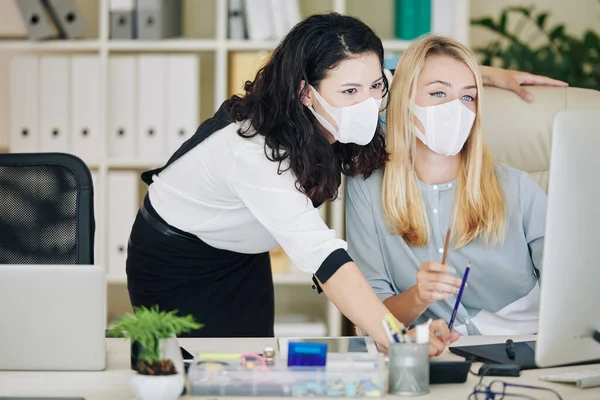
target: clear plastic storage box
345 375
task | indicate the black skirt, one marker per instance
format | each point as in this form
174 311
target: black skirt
230 293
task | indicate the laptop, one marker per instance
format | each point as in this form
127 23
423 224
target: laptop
53 317
569 321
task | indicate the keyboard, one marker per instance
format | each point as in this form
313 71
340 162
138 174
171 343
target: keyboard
585 378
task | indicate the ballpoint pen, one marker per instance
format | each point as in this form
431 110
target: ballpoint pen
510 349
446 243
460 292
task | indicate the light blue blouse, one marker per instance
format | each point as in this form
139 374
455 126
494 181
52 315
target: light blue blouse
502 296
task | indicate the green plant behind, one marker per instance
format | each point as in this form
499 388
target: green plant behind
148 326
550 51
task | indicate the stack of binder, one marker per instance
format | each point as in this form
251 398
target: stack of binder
145 19
154 104
55 105
49 19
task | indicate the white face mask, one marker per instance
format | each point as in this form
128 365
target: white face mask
447 126
356 124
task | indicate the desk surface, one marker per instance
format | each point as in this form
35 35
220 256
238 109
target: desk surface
113 383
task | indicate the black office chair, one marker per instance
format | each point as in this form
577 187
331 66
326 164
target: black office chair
46 209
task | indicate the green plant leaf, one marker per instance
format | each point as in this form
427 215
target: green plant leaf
541 20
557 32
502 24
485 22
574 59
149 326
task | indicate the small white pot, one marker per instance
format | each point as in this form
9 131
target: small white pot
161 387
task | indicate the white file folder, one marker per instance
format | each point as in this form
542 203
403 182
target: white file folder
183 101
122 108
54 104
259 20
441 21
24 104
151 102
123 205
86 138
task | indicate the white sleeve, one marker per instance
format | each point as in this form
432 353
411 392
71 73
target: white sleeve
285 212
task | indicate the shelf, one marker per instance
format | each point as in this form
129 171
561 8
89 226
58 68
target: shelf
50 45
136 164
248 45
189 45
395 44
163 45
211 44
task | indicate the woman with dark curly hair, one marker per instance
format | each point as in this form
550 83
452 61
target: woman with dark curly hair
251 179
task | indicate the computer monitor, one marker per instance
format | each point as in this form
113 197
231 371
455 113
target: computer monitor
570 275
569 318
53 317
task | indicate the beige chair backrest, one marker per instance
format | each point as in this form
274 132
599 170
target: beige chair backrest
519 134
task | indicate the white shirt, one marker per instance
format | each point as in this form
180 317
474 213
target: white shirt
230 195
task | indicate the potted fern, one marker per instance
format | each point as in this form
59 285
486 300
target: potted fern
155 332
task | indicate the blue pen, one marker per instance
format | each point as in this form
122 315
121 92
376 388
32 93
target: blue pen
460 292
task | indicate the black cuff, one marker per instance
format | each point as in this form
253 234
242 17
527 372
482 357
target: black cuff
332 263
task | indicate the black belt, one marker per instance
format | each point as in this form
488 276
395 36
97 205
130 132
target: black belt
163 227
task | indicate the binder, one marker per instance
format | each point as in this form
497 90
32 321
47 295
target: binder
54 103
182 99
406 19
292 13
122 19
259 20
235 20
24 104
122 111
441 22
38 19
152 82
85 133
12 25
159 19
423 18
123 204
278 14
67 18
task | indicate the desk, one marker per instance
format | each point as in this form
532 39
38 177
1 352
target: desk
113 383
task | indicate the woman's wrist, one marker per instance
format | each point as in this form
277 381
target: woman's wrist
417 300
486 73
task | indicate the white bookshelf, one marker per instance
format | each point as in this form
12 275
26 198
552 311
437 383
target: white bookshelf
220 47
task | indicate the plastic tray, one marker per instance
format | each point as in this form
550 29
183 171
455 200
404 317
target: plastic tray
356 375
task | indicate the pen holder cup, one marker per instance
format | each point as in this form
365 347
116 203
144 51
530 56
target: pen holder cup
408 369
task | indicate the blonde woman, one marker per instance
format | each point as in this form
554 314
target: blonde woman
441 176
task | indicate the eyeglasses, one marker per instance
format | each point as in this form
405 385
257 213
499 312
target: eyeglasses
496 390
